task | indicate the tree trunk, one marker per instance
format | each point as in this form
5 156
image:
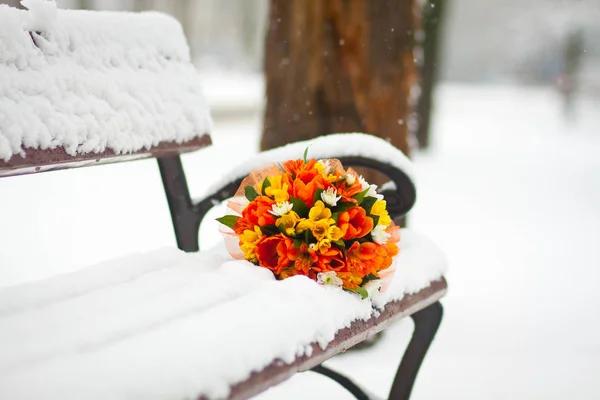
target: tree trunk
340 66
432 19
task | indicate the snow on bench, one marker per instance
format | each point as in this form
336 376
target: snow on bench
170 324
83 83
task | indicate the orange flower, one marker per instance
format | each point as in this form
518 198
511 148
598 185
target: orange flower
257 212
350 280
348 190
303 258
242 225
304 191
331 260
288 273
361 258
272 251
293 167
354 223
385 254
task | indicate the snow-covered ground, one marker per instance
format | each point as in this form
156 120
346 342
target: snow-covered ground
509 190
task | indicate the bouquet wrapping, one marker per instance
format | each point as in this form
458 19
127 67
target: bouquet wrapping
313 218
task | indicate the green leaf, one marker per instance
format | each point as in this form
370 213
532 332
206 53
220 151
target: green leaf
318 194
340 243
228 220
297 242
306 153
359 197
335 216
270 229
369 278
367 203
299 207
375 219
361 291
250 193
344 207
265 185
349 243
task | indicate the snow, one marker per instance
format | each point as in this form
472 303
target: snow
354 144
509 191
66 80
128 319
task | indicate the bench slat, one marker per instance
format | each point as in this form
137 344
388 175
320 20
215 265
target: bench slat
358 331
38 160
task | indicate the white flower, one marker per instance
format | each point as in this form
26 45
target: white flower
312 246
281 209
373 286
380 236
350 179
365 185
329 278
372 189
373 193
326 165
330 197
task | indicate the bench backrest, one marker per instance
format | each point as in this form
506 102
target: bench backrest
81 88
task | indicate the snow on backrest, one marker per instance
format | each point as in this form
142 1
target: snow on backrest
89 80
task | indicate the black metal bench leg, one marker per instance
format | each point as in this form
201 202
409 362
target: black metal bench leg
427 322
186 221
346 383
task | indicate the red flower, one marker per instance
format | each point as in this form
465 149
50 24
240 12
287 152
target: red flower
272 252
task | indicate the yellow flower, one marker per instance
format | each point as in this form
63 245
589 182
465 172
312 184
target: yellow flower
304 224
248 241
319 211
350 280
332 178
323 166
334 233
320 214
379 209
278 190
320 229
324 238
288 221
324 245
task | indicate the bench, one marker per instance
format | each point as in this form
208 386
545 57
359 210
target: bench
149 325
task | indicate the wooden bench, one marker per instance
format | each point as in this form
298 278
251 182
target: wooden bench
34 317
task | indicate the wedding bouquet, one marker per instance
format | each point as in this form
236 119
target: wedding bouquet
313 218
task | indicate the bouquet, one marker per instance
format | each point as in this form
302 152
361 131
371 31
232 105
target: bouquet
313 218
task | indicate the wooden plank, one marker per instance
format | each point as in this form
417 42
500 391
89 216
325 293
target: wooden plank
358 331
38 160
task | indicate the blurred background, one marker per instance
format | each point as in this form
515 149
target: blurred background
508 186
